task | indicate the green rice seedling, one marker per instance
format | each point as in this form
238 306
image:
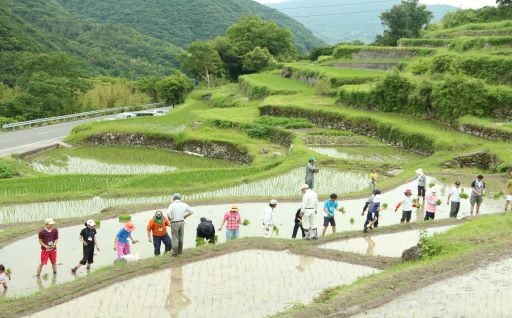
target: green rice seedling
342 210
464 195
384 206
199 241
246 222
498 195
431 185
98 222
8 271
123 218
45 276
352 221
276 230
438 202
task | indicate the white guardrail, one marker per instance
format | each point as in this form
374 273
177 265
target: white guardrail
29 123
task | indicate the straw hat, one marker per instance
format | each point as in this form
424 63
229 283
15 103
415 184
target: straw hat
234 207
90 222
304 186
419 171
49 221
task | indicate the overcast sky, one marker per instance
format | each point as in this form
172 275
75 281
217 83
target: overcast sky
456 3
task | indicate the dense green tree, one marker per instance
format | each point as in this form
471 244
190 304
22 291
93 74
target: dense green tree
258 59
405 20
504 2
174 88
148 85
202 62
229 55
253 31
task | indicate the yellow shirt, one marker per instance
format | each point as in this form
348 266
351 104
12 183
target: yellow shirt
373 176
509 187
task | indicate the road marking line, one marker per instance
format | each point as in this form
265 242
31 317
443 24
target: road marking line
34 143
46 132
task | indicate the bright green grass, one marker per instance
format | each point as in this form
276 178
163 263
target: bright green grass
446 140
358 87
487 122
276 83
131 155
491 28
225 96
338 73
244 115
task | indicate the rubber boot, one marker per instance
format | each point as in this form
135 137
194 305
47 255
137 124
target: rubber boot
307 237
315 234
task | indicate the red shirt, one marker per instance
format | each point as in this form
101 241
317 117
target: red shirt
158 229
233 220
48 236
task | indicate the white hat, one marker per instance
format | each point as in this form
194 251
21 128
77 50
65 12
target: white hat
90 222
304 186
49 221
273 202
434 191
419 171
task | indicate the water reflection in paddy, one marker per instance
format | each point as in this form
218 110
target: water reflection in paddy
366 153
485 292
242 284
391 245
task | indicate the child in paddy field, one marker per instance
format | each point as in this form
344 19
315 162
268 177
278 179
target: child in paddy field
407 204
431 206
373 179
298 224
374 206
4 277
121 243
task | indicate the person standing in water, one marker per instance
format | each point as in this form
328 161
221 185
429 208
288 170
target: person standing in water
48 238
157 226
508 191
477 193
330 207
431 206
455 200
407 204
308 212
268 218
373 179
88 239
310 172
422 184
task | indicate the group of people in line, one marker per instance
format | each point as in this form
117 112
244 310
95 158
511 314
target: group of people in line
304 219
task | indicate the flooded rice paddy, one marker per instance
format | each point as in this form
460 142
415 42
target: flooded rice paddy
485 292
327 181
242 284
365 153
76 165
391 245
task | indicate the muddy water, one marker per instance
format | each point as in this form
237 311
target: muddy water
391 245
22 256
76 165
241 284
485 292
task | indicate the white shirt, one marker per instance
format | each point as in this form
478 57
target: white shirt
309 200
407 203
3 278
455 194
177 210
268 216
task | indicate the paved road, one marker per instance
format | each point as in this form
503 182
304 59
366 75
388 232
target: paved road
33 138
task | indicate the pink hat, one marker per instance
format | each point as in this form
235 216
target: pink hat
129 226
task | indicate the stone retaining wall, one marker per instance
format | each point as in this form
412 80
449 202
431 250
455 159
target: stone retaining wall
210 149
482 160
485 132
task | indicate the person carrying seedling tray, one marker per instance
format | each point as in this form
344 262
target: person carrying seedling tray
407 204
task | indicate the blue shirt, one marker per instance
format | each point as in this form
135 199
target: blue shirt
331 207
123 235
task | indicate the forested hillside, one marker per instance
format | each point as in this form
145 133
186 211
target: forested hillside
38 26
185 21
337 21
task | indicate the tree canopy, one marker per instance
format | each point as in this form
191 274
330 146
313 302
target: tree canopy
404 20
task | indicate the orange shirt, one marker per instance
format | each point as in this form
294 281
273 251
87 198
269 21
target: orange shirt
158 229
